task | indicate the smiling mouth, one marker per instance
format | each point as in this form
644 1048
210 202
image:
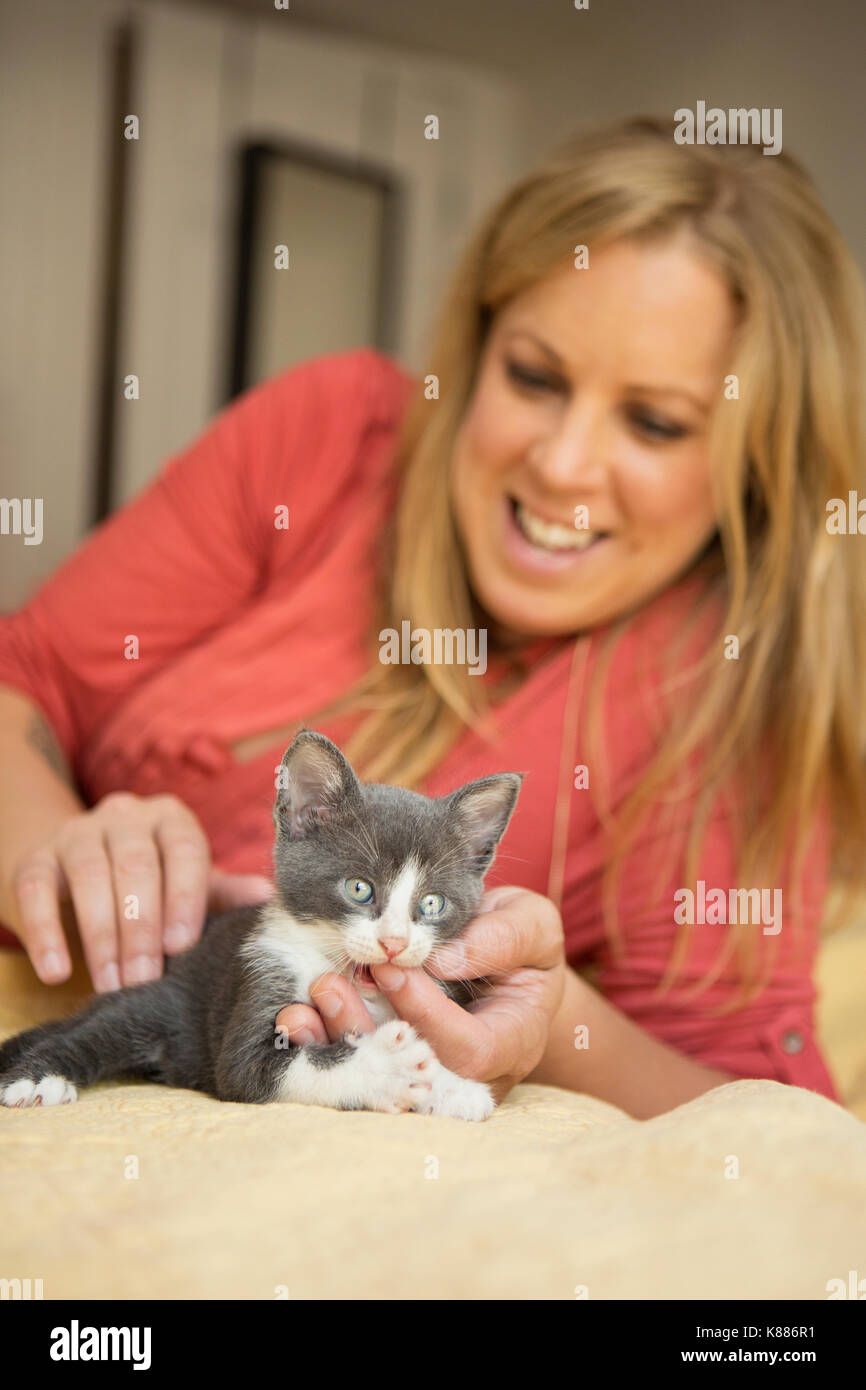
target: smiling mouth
552 536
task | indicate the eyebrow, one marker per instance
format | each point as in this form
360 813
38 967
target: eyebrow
649 390
642 388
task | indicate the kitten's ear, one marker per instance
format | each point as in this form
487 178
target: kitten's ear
314 780
480 812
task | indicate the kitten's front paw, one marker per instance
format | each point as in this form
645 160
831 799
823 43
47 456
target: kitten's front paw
48 1090
459 1098
395 1068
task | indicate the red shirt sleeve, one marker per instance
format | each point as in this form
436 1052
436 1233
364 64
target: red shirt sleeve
184 556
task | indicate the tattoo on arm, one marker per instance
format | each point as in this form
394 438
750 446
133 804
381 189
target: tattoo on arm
41 739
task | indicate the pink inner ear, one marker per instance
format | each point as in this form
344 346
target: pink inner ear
308 813
313 783
482 811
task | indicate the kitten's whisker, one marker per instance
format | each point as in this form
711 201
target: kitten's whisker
368 835
469 984
453 854
364 845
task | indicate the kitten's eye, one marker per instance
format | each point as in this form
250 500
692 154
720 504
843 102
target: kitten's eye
431 905
359 890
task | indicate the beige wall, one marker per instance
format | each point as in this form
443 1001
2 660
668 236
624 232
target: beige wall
805 57
207 79
625 56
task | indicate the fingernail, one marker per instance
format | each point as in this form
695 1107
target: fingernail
52 966
141 969
107 978
329 1004
451 957
302 1036
178 936
388 976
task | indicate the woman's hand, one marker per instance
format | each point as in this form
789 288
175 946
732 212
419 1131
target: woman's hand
137 873
515 942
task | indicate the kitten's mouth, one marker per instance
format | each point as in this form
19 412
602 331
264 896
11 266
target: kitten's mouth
363 978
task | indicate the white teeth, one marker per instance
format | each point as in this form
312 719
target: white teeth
550 535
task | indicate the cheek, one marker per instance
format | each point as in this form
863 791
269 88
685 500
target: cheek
360 933
666 497
422 939
490 438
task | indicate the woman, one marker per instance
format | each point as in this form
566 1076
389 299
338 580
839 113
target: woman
644 388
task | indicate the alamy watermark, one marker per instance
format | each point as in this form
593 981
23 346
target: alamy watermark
77 1343
718 907
439 646
16 1290
22 516
736 126
846 518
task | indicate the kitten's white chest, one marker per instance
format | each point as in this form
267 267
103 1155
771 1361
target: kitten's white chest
383 1071
280 937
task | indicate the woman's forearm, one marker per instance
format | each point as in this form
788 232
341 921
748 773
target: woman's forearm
37 792
620 1063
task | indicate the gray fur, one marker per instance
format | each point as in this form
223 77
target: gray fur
209 1023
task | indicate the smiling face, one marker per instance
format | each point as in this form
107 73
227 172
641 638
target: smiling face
581 478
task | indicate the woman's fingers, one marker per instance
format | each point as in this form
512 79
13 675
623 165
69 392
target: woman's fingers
36 885
340 1007
138 888
84 860
300 1024
136 870
514 928
186 872
337 1009
461 1041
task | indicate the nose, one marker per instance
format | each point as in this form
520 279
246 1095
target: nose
571 454
392 945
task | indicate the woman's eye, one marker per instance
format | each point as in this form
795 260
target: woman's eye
651 426
525 377
656 428
359 890
432 905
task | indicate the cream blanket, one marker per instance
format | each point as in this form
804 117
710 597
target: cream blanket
139 1191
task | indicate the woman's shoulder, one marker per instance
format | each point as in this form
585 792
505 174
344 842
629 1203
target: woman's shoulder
318 427
356 385
321 424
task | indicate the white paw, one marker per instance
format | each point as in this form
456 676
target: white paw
50 1090
459 1098
392 1068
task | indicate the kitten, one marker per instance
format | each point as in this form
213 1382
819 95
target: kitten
364 873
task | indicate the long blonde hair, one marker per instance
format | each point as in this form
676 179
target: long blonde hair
794 703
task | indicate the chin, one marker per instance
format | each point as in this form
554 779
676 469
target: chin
530 615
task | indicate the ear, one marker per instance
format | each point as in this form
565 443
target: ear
314 780
480 812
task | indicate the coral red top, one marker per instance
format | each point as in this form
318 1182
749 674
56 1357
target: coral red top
244 627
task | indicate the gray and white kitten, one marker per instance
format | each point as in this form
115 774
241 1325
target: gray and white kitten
364 873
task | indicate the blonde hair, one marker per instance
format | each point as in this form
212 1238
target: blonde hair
794 703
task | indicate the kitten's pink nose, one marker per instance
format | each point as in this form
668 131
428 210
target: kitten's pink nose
392 945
